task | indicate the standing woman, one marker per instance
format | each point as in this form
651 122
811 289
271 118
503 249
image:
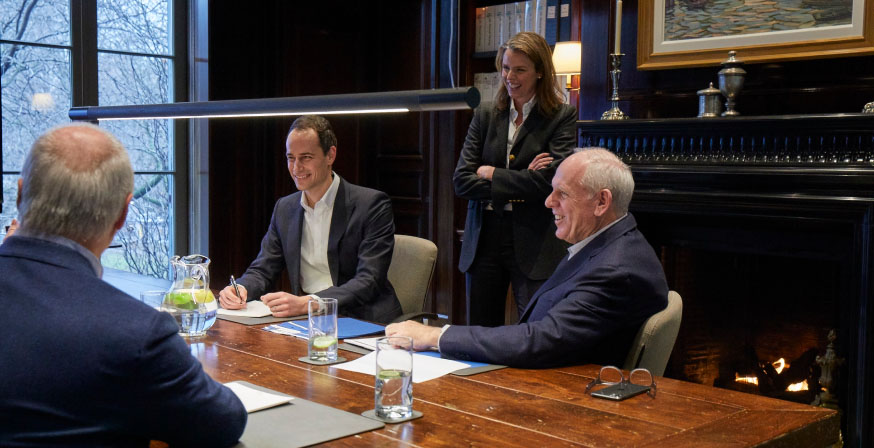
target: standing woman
511 152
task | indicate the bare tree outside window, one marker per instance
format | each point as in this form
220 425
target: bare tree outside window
135 66
34 82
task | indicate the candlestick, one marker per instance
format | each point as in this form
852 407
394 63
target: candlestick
618 31
614 113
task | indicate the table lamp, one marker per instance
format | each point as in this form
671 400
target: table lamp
567 59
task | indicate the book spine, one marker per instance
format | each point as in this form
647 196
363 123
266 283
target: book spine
480 35
564 25
551 27
489 29
509 21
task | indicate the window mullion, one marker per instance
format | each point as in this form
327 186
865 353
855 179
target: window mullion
84 54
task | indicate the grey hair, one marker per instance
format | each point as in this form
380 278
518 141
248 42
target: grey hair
74 187
606 171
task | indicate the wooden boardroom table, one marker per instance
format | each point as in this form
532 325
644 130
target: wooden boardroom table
519 407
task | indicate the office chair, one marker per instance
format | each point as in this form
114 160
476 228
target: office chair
410 272
654 342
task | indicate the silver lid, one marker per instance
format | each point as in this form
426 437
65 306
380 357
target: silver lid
709 91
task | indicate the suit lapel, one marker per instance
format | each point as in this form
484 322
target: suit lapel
502 126
339 220
562 273
295 230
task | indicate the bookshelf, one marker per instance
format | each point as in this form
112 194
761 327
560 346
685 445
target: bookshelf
486 24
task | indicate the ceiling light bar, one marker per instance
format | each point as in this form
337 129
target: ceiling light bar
353 103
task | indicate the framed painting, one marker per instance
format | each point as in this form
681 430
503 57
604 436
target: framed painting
692 33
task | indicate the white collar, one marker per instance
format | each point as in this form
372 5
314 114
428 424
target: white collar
328 198
526 108
576 248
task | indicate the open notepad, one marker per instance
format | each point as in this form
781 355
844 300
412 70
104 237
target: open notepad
255 308
254 399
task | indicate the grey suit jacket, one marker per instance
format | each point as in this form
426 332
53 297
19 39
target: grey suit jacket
588 311
360 245
537 249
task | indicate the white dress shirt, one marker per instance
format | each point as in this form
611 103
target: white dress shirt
513 129
315 274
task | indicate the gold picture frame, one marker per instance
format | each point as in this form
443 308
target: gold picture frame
832 35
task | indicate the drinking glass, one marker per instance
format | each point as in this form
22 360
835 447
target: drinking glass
394 377
153 298
322 346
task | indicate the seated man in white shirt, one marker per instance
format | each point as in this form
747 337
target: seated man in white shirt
591 307
334 238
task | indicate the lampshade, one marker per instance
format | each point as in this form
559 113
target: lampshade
354 103
567 58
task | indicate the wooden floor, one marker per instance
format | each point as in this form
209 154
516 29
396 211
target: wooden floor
518 407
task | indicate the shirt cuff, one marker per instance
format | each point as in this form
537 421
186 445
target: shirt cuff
442 330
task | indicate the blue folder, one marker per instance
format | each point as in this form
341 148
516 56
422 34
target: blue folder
347 327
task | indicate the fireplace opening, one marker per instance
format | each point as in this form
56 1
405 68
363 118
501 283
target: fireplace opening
753 322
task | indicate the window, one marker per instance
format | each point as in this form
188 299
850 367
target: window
62 53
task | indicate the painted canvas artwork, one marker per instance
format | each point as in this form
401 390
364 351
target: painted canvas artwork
695 19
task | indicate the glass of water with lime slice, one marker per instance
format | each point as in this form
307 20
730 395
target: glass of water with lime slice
322 346
394 378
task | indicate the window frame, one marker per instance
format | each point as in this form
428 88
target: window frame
84 92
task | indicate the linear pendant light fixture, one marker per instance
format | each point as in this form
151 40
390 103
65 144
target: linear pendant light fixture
353 103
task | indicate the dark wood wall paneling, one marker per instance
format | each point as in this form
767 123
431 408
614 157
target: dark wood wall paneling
794 87
279 49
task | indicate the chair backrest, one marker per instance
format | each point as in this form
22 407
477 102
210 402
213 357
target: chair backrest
411 269
654 342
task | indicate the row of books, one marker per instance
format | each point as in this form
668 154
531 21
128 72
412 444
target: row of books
487 84
496 24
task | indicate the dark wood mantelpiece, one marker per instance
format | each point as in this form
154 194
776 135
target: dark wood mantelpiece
775 187
829 140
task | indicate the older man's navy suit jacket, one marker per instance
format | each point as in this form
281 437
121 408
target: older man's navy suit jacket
588 311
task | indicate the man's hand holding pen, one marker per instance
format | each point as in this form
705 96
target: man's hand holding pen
233 297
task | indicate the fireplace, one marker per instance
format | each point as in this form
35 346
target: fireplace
764 227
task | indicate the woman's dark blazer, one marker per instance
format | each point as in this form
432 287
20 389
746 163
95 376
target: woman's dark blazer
537 249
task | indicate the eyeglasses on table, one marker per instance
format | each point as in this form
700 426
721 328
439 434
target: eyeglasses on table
620 386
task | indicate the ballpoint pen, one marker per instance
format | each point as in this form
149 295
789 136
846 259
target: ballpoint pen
236 289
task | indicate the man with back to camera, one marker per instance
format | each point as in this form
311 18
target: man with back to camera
592 306
334 238
82 363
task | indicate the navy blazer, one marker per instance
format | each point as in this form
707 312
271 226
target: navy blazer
360 245
84 364
537 249
588 311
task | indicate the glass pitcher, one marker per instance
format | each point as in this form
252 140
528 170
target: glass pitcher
189 299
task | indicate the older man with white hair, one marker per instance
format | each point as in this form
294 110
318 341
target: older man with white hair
81 362
591 307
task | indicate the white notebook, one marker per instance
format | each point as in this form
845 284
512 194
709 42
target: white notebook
256 400
255 308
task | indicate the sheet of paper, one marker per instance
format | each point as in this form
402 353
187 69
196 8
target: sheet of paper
255 308
256 400
425 368
368 343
